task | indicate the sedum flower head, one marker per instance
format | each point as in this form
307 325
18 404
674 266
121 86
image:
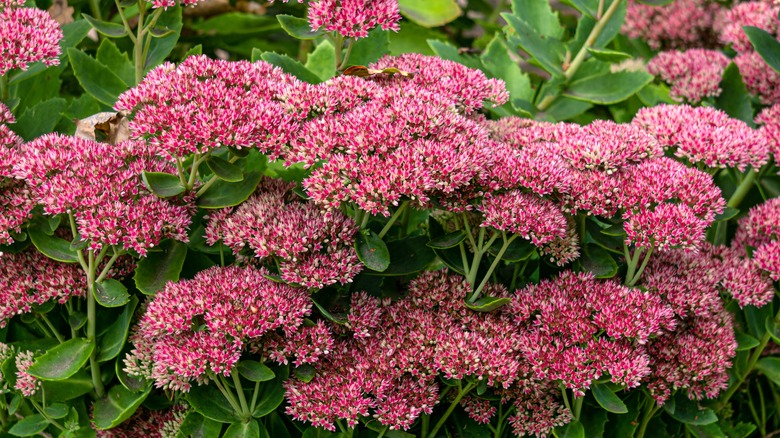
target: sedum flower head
761 14
27 35
532 217
199 327
27 384
694 74
769 119
164 423
354 18
15 202
680 24
100 185
760 79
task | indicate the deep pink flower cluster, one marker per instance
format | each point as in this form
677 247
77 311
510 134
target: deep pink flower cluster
27 35
694 74
705 135
761 14
15 201
310 247
769 119
760 230
148 423
534 218
428 148
579 328
760 79
696 353
100 184
680 24
244 109
354 18
197 328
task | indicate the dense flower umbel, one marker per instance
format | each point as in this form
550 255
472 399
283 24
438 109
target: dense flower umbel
680 24
15 201
693 74
27 384
312 248
430 332
149 423
532 217
760 230
201 326
564 318
27 35
761 14
769 118
696 354
354 18
244 109
100 185
705 135
760 79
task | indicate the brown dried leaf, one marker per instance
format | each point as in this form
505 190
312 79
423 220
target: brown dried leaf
110 127
61 12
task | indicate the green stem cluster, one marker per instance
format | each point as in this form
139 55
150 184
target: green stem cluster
635 268
142 38
462 392
481 247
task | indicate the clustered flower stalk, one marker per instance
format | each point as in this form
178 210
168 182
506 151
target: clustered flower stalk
142 38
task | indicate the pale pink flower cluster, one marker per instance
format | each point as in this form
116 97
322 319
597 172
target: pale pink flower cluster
769 119
695 354
100 184
760 230
579 328
310 247
693 74
15 202
705 135
27 35
761 14
680 24
27 384
196 328
244 110
760 79
534 218
354 18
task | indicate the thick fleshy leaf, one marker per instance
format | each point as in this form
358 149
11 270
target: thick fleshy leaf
160 48
322 61
745 341
96 79
209 402
255 371
224 170
607 399
430 13
40 118
57 410
298 28
29 426
548 52
766 45
304 372
227 194
113 340
488 304
570 430
289 65
499 63
68 389
160 267
109 55
598 261
52 246
770 366
162 184
369 49
196 425
734 99
107 28
131 383
62 361
246 430
608 88
117 406
111 293
688 412
609 55
539 15
407 256
448 240
271 394
372 251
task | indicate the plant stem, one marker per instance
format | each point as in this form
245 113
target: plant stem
736 198
240 390
254 397
426 420
350 44
478 253
493 265
94 7
338 46
40 410
393 218
642 267
225 390
382 433
53 329
92 324
650 411
461 394
4 91
138 49
576 63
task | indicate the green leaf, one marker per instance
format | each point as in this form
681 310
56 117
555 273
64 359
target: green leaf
706 431
499 64
113 340
224 170
318 432
57 410
447 51
244 430
564 109
728 213
304 373
29 426
608 88
488 304
95 78
117 406
160 48
598 261
447 241
607 399
609 55
209 402
372 251
255 371
773 328
227 194
194 51
160 267
162 184
298 28
40 119
688 412
52 247
111 293
369 49
430 13
518 250
413 39
745 341
112 30
407 256
766 45
68 389
289 65
62 361
236 24
770 366
270 395
322 61
570 430
196 425
132 383
734 98
539 15
548 52
338 318
654 94
109 55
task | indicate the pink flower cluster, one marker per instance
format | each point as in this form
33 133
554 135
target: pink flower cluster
354 18
244 109
680 24
760 79
760 229
27 35
310 247
100 185
148 423
15 201
23 382
694 74
532 217
579 328
769 119
197 328
761 14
